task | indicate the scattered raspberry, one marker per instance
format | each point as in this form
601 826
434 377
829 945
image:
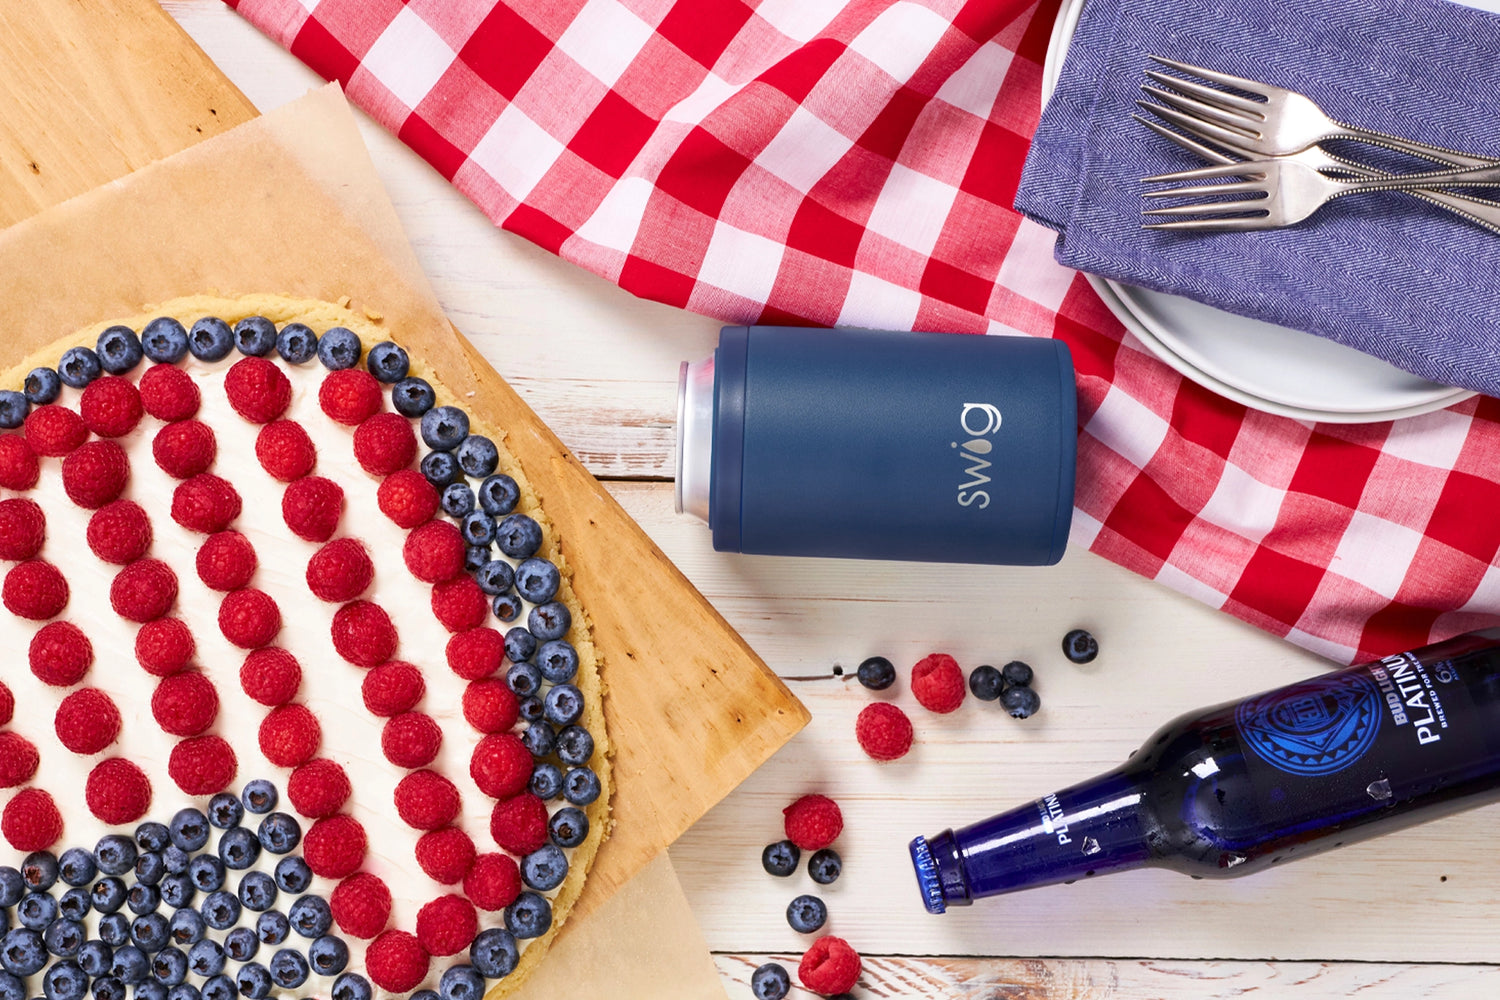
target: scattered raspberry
410 739
425 800
184 449
169 393
363 633
110 406
407 498
164 646
249 618
447 925
938 683
385 443
813 822
23 528
60 654
18 760
311 507
185 704
202 766
258 389
361 905
501 765
95 473
445 855
19 469
459 603
490 706
340 571
519 824
393 688
285 451
829 967
271 676
117 791
31 821
205 503
7 705
119 532
226 561
143 591
350 396
318 788
54 430
290 735
434 552
493 882
883 730
87 721
395 960
34 589
334 846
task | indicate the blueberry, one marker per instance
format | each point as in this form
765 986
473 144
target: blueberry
150 989
164 340
296 344
143 898
119 349
169 966
1079 646
549 621
149 931
95 957
825 866
187 927
221 987
425 995
986 683
108 894
494 953
564 704
529 916
130 964
259 796
1021 701
495 576
279 833
311 916
114 929
781 858
241 944
507 607
22 952
557 660
12 887
539 738
328 955
255 336
225 810
457 500
13 408
42 386
1016 672
65 981
877 673
238 848
79 366
210 339
109 988
412 396
531 709
257 891
36 910
545 868
477 527
176 859
440 468
770 982
388 362
76 867
293 875
444 427
184 991
339 348
519 536
189 829
568 827
39 870
177 890
253 979
114 854
546 781
475 556
206 873
11 987
221 909
575 745
289 969
206 958
461 982
537 580
806 914
523 678
350 986
74 904
63 937
520 644
581 786
478 456
272 927
498 495
149 868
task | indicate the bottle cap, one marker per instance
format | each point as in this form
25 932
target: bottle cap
929 882
695 436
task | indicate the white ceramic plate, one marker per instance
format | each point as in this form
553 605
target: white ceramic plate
1266 367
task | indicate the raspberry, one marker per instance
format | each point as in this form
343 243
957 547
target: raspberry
290 735
249 618
23 528
34 589
258 389
490 706
87 721
519 824
363 633
395 960
185 704
938 683
459 604
425 800
143 591
117 791
205 503
883 730
169 393
334 846
184 448
385 443
164 646
447 925
119 532
813 822
407 498
434 552
110 406
285 451
18 760
54 430
19 469
361 905
7 705
340 571
311 507
410 739
95 473
350 396
202 766
445 855
393 688
501 765
60 654
318 788
830 966
31 821
271 676
493 881
226 561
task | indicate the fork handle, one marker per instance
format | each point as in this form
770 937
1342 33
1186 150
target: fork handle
1394 142
1486 176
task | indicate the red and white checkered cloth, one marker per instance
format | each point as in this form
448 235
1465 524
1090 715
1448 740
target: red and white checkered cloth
854 163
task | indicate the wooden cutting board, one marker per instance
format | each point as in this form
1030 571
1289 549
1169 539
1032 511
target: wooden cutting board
95 91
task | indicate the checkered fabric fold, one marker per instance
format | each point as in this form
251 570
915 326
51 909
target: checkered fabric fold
855 163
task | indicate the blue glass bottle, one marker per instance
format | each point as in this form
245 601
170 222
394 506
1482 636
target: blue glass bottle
1236 788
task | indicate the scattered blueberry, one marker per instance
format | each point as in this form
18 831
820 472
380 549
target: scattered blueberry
109 988
1016 672
575 745
259 796
529 916
494 953
119 349
206 872
546 781
65 981
241 944
42 386
39 870
876 673
311 916
522 678
339 348
825 866
257 891
95 957
225 810
74 904
108 894
986 683
545 868
221 909
581 786
412 396
64 937
164 340
350 986
461 982
478 456
498 495
1021 701
549 621
444 427
781 858
149 931
76 867
388 362
1079 646
13 408
78 367
540 738
477 527
272 927
289 969
114 929
210 339
189 829
206 958
537 580
297 344
149 868
253 979
22 952
169 966
494 576
255 336
557 660
440 468
238 848
328 955
130 964
114 854
221 987
177 890
293 875
36 910
187 927
806 914
143 898
279 833
770 982
519 536
507 607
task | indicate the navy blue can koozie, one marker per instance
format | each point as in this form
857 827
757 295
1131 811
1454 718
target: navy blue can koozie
881 445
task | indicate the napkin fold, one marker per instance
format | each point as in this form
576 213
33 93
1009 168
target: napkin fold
1384 273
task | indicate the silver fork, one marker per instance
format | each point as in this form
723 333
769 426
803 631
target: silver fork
1277 122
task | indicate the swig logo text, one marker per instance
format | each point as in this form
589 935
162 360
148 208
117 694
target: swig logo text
979 421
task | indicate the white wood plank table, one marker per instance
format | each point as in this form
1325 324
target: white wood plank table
1407 915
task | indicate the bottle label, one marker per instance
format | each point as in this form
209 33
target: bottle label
1312 730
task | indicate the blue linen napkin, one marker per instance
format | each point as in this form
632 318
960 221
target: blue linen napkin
1384 273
